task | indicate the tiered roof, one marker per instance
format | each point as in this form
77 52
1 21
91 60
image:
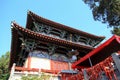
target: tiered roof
18 31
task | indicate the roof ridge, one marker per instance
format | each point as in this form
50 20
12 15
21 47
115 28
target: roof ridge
59 25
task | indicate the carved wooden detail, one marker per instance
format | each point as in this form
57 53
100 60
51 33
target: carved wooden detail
30 47
62 34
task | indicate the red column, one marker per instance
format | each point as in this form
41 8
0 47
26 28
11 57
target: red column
29 62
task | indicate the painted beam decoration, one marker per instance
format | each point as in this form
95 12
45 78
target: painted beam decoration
62 34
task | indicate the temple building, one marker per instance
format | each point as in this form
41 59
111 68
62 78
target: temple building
57 50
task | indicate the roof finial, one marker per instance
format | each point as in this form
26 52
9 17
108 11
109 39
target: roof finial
28 11
12 23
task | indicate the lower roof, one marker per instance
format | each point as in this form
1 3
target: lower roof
100 53
38 36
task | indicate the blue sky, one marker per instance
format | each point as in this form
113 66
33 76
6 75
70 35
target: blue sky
73 13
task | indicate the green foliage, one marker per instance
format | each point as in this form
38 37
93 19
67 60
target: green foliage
31 77
106 11
116 31
4 62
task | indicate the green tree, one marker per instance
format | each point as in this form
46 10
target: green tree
106 11
32 77
116 31
4 62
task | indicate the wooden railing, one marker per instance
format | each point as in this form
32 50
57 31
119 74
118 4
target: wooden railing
36 70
